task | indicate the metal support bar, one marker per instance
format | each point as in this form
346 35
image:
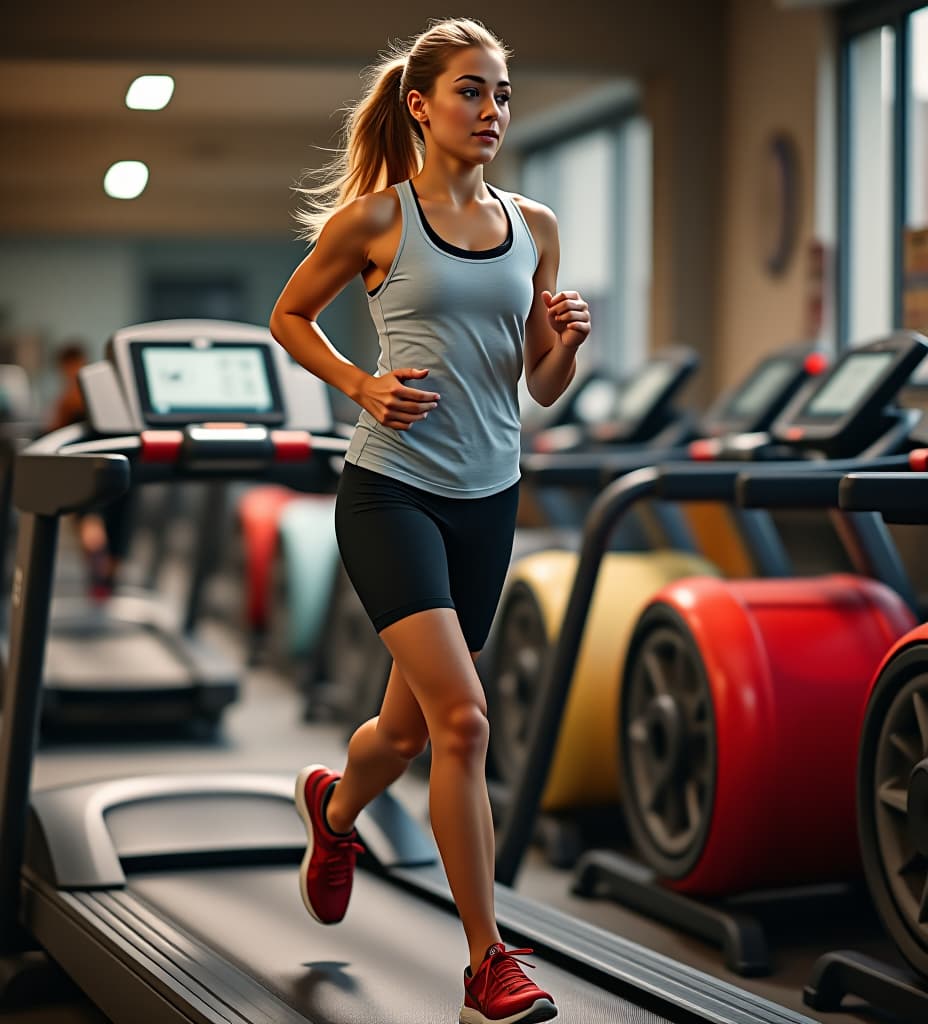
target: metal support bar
22 699
605 513
206 556
872 552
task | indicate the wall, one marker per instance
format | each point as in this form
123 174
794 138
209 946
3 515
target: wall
671 47
53 289
773 59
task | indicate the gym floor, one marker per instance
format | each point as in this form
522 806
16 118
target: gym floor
263 732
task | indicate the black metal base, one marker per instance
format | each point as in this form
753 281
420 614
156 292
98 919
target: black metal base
883 986
740 936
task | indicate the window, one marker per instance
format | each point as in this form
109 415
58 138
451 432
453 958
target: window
915 235
883 281
213 298
598 182
870 225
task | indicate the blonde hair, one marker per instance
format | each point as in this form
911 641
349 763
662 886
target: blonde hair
382 143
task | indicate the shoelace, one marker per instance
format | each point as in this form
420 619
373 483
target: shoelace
339 866
502 970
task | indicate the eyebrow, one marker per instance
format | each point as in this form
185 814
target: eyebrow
482 81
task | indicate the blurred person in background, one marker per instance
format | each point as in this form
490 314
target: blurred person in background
98 532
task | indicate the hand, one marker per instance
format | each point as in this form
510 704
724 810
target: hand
569 317
393 404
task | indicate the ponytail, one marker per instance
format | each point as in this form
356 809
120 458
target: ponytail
382 146
382 143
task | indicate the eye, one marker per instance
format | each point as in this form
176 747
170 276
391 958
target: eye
470 92
503 97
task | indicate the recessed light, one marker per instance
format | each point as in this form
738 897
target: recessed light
126 179
150 92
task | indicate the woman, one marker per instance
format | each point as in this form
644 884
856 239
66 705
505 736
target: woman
461 285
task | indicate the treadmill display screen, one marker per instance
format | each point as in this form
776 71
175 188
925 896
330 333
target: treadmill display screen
181 382
849 384
643 391
761 388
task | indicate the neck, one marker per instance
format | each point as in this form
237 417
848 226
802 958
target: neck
451 182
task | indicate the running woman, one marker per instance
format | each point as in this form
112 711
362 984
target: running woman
461 283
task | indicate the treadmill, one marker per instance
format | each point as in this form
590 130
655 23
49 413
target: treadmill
848 420
133 660
174 898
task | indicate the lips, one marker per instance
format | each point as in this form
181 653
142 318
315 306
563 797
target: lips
487 135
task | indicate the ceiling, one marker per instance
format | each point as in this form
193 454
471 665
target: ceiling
222 155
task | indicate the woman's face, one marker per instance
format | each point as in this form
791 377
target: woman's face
467 110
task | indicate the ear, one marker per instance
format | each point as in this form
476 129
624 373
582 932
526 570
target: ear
418 105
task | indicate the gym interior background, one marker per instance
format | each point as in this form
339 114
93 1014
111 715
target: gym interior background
705 160
732 175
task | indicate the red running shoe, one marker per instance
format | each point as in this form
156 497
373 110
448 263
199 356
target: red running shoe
328 864
500 993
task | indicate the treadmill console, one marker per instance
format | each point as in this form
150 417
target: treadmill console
854 397
175 373
754 404
642 406
184 381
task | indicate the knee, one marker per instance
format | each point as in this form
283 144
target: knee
463 731
403 744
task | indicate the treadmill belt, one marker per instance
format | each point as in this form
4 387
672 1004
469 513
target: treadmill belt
395 959
131 656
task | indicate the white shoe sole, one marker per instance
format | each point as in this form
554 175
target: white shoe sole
299 797
540 1010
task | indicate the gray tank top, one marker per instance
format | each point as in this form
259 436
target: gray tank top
460 315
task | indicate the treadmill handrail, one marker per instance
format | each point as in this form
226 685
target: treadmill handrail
49 489
887 493
607 509
775 488
69 485
591 468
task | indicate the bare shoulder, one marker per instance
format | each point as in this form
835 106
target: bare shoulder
374 213
534 212
540 218
365 218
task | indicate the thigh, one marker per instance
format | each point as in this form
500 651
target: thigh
393 551
432 658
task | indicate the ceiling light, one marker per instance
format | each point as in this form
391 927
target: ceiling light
150 92
126 179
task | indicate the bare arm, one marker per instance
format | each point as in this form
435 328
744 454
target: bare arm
340 254
558 323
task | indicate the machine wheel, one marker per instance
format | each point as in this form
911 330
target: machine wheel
520 650
669 748
892 801
741 709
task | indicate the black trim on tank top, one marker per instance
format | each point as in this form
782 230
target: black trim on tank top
467 254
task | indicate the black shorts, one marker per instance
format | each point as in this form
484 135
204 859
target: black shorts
406 550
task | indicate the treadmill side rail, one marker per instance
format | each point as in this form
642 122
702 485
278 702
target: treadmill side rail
74 846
